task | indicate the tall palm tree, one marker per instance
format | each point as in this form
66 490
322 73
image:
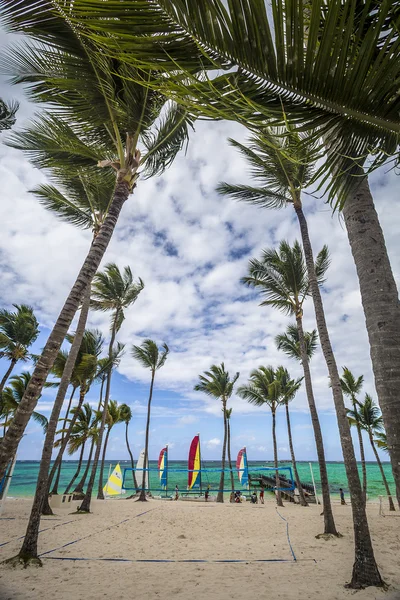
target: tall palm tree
18 331
7 114
12 396
367 415
351 387
288 390
113 417
103 124
150 357
217 383
289 342
126 417
228 414
264 389
84 429
281 276
115 291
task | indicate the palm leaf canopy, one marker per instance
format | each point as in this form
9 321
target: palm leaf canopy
149 355
18 330
381 441
12 396
288 386
281 161
281 276
217 382
351 385
330 67
290 344
371 417
126 413
263 388
7 114
92 99
115 290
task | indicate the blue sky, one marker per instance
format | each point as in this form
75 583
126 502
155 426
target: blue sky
191 248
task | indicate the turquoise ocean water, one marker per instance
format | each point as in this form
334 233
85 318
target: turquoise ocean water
25 475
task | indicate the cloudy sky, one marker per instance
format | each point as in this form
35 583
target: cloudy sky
191 247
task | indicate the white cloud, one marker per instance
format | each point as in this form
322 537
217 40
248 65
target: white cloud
187 420
213 443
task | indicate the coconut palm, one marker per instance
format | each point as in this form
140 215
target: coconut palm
126 417
113 417
228 414
368 416
217 383
7 114
12 396
115 291
84 429
288 390
18 331
150 357
381 440
289 342
351 387
282 279
264 389
103 123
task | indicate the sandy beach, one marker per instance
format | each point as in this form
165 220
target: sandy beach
120 533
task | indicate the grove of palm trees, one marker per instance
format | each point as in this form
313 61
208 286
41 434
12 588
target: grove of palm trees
154 285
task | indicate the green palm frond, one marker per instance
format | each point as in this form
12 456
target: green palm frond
149 355
351 386
217 382
12 396
290 344
126 413
381 441
288 387
18 330
7 114
263 388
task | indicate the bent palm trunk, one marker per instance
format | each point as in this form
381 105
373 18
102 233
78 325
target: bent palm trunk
381 306
135 485
79 488
7 374
60 329
302 497
277 482
229 455
101 496
365 569
385 482
362 454
78 470
68 375
220 495
142 496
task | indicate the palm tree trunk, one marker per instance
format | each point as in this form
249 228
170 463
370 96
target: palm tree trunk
54 491
60 329
142 496
100 493
220 495
78 470
302 497
365 569
381 306
329 522
46 510
385 482
85 506
81 484
277 482
135 485
7 374
362 453
229 454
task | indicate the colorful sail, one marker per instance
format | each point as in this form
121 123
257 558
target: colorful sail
163 467
113 486
242 467
194 474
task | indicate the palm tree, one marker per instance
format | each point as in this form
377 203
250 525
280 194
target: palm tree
11 399
368 416
84 429
351 387
102 124
115 291
228 414
264 389
381 441
289 342
18 331
281 276
217 383
288 390
7 114
113 417
126 417
150 357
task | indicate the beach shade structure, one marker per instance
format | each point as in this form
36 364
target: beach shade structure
113 486
242 468
194 464
163 468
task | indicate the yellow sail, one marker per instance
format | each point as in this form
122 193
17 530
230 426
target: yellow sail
113 486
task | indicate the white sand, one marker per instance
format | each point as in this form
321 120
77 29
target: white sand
184 530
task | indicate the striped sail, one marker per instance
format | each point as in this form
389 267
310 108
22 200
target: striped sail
163 467
113 486
242 467
194 475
